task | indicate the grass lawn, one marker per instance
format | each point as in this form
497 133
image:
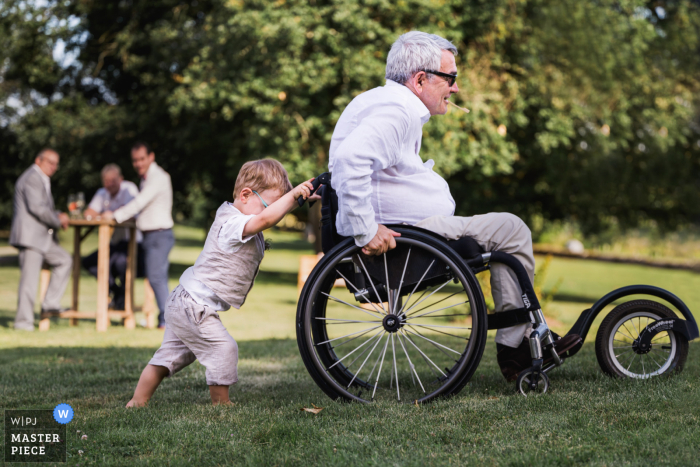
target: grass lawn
585 418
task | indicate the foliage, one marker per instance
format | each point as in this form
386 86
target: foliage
579 110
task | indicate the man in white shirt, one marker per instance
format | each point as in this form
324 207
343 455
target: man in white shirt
153 205
116 192
380 177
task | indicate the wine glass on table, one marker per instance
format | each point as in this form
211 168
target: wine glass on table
71 206
80 203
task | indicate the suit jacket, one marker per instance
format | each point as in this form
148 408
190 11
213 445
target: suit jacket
35 222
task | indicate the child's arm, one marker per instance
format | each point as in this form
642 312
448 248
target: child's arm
277 210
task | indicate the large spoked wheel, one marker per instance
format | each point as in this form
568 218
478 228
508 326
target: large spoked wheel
616 342
419 338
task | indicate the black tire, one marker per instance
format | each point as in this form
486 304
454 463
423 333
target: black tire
324 313
613 344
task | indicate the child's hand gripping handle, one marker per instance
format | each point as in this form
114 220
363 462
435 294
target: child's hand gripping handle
323 179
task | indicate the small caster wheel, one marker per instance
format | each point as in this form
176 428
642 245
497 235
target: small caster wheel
532 381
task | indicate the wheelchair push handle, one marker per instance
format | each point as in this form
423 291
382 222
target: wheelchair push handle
323 179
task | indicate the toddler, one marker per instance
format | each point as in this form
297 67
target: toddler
221 278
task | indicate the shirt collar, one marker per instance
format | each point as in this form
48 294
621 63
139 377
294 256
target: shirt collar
414 102
151 168
41 172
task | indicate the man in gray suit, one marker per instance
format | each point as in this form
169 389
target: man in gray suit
34 226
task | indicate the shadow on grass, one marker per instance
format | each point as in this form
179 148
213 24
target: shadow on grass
189 242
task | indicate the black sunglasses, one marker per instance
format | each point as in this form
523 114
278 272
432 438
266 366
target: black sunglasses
448 77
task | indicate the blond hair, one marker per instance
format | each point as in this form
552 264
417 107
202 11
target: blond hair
261 175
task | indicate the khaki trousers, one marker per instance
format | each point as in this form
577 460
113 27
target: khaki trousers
495 231
195 332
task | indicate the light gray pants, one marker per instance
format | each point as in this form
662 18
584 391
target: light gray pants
30 262
195 332
495 231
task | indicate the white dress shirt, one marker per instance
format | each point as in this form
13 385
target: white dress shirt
153 204
103 201
230 236
377 169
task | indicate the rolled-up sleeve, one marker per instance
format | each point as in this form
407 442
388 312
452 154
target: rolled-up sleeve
374 145
140 201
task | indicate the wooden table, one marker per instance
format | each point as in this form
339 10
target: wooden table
102 315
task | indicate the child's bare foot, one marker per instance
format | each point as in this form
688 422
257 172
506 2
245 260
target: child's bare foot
226 402
135 403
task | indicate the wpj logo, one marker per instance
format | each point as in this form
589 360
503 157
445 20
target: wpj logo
37 435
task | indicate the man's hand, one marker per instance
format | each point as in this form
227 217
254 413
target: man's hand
382 242
63 217
107 216
90 214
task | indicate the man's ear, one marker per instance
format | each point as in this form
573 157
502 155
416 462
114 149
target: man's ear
418 81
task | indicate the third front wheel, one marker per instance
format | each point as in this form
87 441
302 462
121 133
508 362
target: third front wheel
616 342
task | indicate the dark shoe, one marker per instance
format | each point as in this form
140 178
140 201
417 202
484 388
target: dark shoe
54 310
514 360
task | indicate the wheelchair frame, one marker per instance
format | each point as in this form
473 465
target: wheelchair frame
541 339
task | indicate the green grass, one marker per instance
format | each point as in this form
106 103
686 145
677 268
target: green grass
585 418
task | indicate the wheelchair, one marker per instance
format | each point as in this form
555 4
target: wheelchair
411 325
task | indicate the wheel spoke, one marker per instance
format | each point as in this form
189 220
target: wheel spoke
346 335
444 316
443 332
372 283
430 295
628 366
421 352
345 320
628 330
636 328
387 287
433 342
396 370
356 337
379 334
628 337
381 364
410 364
357 373
654 360
439 309
403 274
347 355
416 287
436 326
441 300
362 294
416 300
373 315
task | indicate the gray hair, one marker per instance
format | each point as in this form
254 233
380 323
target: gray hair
111 168
413 52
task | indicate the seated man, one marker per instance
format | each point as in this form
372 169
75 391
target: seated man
380 178
116 192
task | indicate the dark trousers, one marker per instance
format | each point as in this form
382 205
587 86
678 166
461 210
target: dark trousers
118 255
156 248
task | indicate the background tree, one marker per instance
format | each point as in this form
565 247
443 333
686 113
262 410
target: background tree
579 111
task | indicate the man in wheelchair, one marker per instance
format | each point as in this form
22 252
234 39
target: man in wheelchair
380 179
